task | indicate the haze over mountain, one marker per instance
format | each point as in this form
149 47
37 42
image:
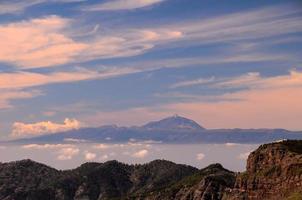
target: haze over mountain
174 129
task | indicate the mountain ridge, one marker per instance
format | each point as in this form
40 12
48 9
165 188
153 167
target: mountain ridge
161 179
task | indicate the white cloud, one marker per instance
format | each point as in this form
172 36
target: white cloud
231 144
74 140
121 5
45 127
68 153
140 154
89 155
47 146
104 157
200 156
63 151
101 146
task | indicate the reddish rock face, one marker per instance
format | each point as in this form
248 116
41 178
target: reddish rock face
274 171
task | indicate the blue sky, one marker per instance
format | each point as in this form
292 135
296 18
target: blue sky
225 64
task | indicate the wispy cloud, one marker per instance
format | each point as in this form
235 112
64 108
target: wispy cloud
193 82
8 95
44 42
17 6
48 39
30 79
265 102
18 85
254 80
260 23
251 80
121 5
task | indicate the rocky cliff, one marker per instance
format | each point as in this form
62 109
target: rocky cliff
274 172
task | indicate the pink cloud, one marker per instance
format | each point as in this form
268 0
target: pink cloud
38 42
45 127
8 95
45 42
141 153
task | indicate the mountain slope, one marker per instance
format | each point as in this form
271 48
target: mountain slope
207 183
30 180
174 123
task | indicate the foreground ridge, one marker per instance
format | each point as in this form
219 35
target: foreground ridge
274 171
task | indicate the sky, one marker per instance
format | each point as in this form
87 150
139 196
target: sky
68 64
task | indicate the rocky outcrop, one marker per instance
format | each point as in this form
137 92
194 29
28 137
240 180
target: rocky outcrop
274 172
206 184
210 185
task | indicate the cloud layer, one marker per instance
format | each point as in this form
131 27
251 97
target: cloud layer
24 130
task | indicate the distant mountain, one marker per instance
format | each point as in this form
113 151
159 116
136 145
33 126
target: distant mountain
273 172
174 123
173 129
